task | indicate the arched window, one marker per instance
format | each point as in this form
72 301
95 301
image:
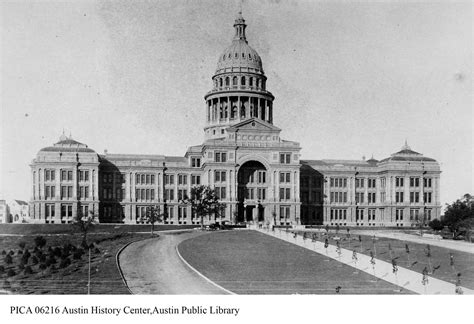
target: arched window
229 55
236 55
234 81
242 110
220 82
223 57
227 81
242 81
233 112
250 57
251 82
243 55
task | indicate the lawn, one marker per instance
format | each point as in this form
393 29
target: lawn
415 260
248 262
69 279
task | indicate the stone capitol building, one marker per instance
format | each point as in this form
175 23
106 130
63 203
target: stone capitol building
257 174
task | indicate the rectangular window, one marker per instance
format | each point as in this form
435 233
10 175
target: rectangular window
182 194
359 197
220 157
399 215
382 197
284 177
382 182
285 158
427 182
428 215
414 182
195 162
50 210
195 179
69 175
359 215
182 179
261 193
371 183
182 212
169 179
219 176
371 214
414 197
399 197
285 194
414 213
371 196
262 176
359 182
284 212
426 197
399 182
169 194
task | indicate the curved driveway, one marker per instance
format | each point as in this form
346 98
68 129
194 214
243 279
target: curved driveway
153 266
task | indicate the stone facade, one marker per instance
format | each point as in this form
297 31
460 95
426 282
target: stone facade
257 174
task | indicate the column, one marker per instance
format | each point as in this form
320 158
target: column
238 108
57 193
229 109
259 111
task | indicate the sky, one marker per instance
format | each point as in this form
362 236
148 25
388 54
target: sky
351 79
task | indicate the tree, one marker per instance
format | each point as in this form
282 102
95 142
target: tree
204 202
459 215
40 241
83 224
436 225
152 215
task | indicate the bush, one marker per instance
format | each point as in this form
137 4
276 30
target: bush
2 269
43 266
96 251
11 252
4 252
51 260
8 259
40 241
57 252
22 244
21 266
25 258
64 263
42 258
11 273
34 260
19 252
28 270
436 225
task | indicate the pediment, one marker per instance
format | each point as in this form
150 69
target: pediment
254 124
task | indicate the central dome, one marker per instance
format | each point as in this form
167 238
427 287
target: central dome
239 55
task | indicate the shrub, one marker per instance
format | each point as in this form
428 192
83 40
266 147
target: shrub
64 263
43 266
96 250
22 244
42 258
21 266
2 269
77 255
436 225
11 273
11 252
20 252
57 252
40 241
28 270
4 252
25 258
51 260
8 259
34 260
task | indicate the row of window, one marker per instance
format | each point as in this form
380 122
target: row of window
66 175
182 179
259 83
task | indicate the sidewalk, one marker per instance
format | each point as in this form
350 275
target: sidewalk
405 278
448 244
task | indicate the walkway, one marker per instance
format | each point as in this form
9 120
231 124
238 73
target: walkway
448 244
153 267
405 278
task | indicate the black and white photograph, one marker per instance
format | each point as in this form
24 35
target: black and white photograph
221 158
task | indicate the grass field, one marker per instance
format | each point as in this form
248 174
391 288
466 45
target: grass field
415 260
248 262
72 279
37 229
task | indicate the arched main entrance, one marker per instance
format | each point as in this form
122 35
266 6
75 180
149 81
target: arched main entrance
252 191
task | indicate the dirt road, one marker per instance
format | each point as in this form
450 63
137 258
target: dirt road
153 266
